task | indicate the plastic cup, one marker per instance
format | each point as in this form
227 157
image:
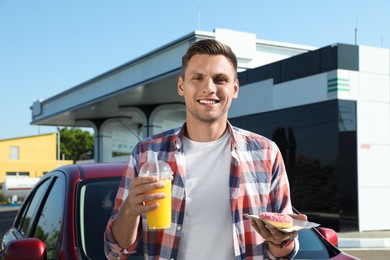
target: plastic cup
160 217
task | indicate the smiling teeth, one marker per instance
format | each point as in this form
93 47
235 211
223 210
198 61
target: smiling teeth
207 101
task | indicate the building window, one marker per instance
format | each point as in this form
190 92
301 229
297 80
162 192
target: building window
17 174
318 144
14 153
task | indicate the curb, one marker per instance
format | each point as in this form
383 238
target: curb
9 207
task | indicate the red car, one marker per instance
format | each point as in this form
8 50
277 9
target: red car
65 215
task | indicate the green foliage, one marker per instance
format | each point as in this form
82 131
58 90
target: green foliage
3 199
50 238
76 144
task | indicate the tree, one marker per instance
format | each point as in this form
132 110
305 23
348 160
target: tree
76 144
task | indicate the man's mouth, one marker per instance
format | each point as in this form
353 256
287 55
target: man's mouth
207 101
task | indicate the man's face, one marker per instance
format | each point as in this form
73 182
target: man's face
208 87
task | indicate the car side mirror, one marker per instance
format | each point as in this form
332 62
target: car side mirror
24 249
330 235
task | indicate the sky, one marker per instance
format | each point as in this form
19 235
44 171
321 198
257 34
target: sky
48 46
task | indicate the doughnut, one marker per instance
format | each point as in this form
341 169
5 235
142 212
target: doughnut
278 220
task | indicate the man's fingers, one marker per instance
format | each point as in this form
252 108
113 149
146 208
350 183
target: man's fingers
141 198
293 234
145 184
299 216
144 180
271 233
264 231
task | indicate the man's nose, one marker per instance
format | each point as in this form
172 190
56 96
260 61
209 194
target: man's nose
209 86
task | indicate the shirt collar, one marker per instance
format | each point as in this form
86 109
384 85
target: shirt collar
179 135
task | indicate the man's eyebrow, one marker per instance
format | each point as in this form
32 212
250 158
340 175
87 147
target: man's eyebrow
221 75
216 75
196 74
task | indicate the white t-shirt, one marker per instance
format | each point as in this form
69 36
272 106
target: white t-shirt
207 232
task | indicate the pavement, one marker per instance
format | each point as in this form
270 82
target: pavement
367 239
9 207
366 245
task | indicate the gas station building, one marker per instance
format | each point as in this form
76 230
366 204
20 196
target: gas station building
327 108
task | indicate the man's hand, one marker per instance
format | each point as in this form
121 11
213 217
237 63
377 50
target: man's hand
138 195
126 224
275 237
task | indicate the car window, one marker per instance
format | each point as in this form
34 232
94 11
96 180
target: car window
30 210
96 198
311 246
96 203
50 219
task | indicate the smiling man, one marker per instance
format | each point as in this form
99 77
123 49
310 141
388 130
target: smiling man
220 172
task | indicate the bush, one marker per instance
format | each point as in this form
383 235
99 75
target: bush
3 199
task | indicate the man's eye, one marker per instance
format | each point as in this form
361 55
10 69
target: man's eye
220 80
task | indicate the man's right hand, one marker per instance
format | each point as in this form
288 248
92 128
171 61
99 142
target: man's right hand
125 226
139 195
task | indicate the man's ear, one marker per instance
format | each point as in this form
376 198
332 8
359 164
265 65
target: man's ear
180 86
236 88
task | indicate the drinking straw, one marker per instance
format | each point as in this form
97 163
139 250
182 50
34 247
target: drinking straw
158 168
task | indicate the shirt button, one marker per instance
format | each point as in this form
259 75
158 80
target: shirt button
178 228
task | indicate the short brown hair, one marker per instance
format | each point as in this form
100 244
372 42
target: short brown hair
208 47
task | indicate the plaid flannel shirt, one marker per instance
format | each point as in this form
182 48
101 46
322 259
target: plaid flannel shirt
258 183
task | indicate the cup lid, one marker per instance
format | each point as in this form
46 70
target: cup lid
151 168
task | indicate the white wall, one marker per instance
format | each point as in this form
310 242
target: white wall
373 124
121 135
264 96
165 117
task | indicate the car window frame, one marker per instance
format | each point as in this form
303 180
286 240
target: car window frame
57 177
50 179
26 206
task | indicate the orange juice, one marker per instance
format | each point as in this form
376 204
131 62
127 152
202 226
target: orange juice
160 217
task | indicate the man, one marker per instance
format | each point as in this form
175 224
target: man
220 172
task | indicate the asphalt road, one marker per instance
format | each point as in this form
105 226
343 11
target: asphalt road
6 219
369 253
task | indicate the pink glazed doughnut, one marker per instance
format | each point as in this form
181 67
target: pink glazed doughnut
278 220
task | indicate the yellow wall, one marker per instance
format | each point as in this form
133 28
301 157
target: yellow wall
37 155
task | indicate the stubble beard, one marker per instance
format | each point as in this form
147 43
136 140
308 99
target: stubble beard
208 119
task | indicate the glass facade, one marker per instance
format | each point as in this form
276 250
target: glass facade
318 144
